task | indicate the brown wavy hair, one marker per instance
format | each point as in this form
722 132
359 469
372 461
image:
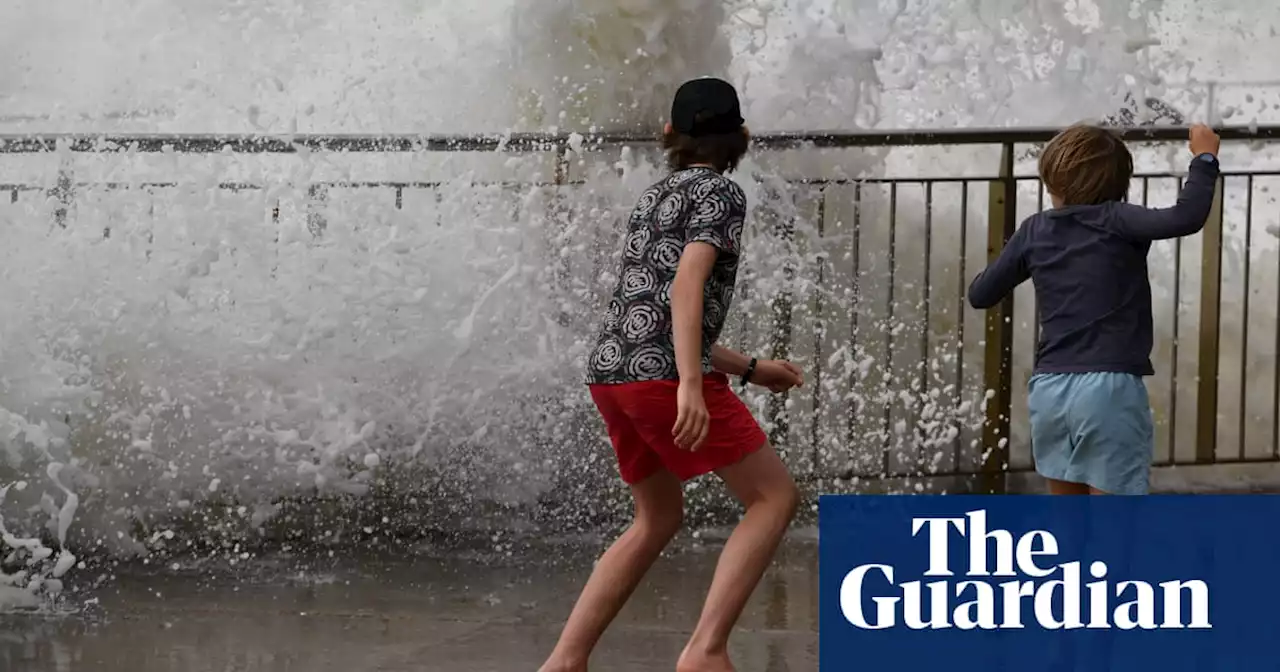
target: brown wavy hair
722 150
1086 165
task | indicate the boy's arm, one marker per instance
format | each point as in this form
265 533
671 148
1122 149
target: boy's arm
729 362
715 227
686 309
1183 219
1003 275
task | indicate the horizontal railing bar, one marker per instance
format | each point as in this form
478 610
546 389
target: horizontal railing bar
850 474
108 116
843 181
377 184
256 144
802 181
231 186
1270 172
1260 459
434 184
526 142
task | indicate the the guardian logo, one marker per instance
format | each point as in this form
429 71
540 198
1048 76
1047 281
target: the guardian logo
1053 594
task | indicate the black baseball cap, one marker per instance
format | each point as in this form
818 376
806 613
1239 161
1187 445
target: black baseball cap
706 106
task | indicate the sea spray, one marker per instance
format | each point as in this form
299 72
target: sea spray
583 62
27 579
189 353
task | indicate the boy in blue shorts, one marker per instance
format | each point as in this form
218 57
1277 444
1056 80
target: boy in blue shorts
1091 424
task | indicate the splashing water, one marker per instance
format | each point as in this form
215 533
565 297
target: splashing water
603 53
176 365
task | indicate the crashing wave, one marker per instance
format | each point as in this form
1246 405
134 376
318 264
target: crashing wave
613 64
181 352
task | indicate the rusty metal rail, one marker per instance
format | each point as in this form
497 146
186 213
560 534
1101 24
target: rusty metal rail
1000 332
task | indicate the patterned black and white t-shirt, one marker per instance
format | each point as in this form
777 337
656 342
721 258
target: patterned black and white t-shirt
691 205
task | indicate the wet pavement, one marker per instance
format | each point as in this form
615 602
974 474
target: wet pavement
449 611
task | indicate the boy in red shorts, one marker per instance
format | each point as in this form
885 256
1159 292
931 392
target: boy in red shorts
662 384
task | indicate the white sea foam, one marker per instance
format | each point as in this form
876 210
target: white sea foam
176 354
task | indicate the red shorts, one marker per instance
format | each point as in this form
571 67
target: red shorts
640 417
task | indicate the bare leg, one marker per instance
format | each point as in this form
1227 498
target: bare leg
762 484
659 513
1066 487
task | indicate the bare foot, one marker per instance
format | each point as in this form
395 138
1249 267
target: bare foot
704 662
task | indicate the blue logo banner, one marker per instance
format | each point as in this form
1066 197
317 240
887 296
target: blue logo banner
1051 584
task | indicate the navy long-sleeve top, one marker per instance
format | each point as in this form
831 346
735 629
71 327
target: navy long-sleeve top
1089 267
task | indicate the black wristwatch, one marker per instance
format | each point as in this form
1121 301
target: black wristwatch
751 368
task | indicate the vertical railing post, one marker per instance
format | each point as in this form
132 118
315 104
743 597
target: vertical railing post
819 334
1210 332
562 166
1002 211
317 199
63 192
780 341
275 239
855 306
557 220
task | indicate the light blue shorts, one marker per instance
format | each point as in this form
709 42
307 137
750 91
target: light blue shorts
1093 428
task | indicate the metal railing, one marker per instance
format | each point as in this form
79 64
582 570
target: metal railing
1002 216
